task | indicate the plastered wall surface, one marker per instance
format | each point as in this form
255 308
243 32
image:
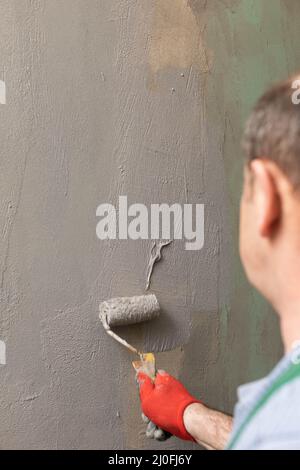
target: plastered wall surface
146 99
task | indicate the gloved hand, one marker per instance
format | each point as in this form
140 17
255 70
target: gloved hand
164 401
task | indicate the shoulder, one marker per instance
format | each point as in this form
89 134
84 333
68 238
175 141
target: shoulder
278 422
285 402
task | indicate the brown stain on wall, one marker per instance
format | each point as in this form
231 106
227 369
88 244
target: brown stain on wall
176 39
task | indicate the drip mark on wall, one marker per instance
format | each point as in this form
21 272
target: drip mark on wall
155 256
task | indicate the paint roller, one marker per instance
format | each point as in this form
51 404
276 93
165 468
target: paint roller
123 311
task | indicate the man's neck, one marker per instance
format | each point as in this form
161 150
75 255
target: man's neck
290 325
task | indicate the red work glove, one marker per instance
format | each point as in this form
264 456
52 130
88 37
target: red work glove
164 401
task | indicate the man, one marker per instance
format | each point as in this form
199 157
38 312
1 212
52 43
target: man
267 415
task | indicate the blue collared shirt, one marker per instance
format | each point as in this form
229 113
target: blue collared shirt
276 426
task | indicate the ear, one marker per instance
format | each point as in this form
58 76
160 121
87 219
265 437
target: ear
266 196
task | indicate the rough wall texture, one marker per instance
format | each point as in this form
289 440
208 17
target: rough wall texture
144 98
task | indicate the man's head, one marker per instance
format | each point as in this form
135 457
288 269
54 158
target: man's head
270 206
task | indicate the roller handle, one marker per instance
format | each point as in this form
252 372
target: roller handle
116 337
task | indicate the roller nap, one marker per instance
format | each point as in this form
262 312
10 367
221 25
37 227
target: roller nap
129 310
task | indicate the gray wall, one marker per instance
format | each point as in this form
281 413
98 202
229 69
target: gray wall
122 97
